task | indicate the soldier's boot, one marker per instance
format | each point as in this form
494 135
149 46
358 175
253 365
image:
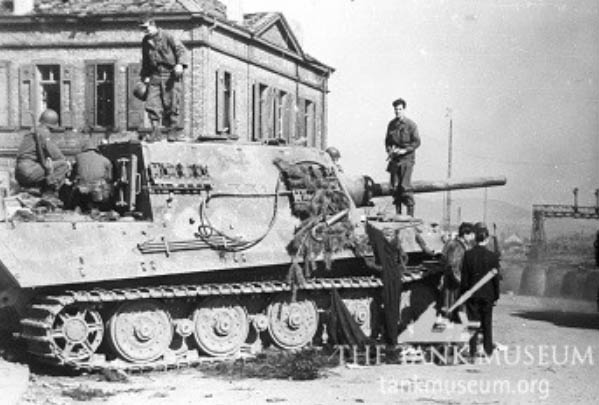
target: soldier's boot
410 209
155 135
398 209
174 134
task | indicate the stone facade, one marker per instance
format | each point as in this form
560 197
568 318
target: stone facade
248 81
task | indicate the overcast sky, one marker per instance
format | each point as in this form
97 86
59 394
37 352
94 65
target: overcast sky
521 77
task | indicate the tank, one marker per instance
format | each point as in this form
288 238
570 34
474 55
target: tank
217 248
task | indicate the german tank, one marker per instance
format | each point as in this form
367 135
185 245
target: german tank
217 247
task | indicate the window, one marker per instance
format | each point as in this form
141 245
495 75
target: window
42 86
7 6
4 94
306 121
309 122
225 103
273 112
261 93
48 88
99 96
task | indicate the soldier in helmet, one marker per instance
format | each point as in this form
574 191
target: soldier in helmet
477 262
163 59
401 141
40 163
333 152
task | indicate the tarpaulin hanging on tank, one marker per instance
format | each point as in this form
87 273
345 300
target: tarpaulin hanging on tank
387 250
342 327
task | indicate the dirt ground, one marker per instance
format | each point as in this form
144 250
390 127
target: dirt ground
552 357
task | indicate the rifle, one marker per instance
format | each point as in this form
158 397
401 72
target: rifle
492 273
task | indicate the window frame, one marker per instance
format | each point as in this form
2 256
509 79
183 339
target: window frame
91 94
29 72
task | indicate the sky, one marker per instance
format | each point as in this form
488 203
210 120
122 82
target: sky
521 79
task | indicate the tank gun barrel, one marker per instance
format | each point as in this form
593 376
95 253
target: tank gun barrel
363 189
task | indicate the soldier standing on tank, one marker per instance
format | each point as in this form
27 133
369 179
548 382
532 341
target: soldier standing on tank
40 163
163 59
477 262
401 141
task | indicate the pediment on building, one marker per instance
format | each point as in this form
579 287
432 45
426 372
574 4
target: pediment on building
274 29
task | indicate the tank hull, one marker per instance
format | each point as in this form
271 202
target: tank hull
204 258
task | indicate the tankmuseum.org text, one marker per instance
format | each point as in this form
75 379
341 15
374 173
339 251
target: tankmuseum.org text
452 388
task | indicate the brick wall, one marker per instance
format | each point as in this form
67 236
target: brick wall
210 49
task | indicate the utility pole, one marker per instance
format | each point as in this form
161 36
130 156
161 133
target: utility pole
485 205
449 158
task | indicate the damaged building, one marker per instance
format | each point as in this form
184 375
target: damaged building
249 78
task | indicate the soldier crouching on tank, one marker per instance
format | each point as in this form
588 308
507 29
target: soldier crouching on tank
93 179
163 59
401 141
40 163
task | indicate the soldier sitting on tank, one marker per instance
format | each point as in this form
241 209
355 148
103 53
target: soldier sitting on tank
93 179
40 163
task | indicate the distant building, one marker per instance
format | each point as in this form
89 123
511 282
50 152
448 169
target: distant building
249 80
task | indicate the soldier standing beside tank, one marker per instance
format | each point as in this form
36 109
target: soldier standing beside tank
453 255
477 262
401 141
40 163
163 59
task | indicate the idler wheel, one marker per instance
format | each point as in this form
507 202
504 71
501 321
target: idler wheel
291 325
140 331
220 326
77 333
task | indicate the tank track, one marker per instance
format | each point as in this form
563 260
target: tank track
44 311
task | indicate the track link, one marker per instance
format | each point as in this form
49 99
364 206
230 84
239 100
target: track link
37 328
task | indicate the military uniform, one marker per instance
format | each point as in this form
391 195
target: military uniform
160 54
93 179
453 256
403 134
30 169
478 261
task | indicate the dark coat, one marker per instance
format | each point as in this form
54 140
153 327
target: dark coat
477 262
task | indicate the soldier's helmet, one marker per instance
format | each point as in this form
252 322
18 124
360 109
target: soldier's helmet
49 118
333 153
140 91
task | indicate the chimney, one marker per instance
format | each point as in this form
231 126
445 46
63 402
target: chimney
21 7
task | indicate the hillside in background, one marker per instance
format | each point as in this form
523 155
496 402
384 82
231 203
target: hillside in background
509 218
